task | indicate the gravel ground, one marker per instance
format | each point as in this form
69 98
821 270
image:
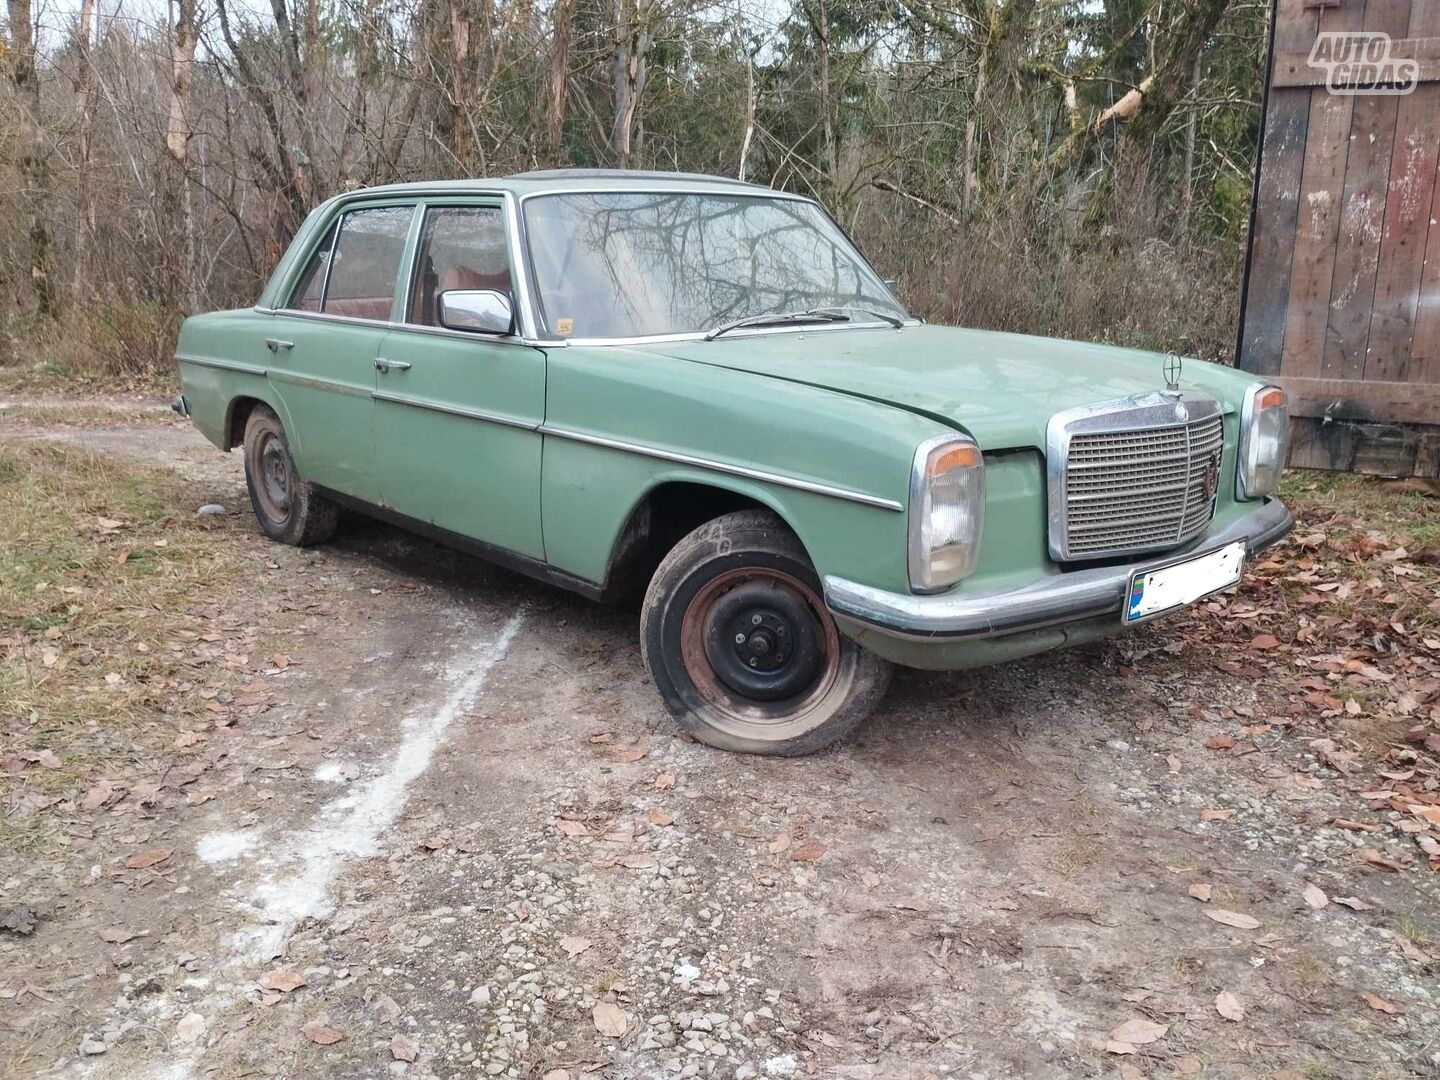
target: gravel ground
462 838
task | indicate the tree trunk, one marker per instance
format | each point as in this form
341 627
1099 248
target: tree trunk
178 133
632 32
558 82
34 161
85 91
749 114
462 81
1187 171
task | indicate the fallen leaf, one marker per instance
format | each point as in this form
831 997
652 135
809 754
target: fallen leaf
574 946
111 523
1232 918
149 858
870 878
1201 891
1130 1072
1228 1006
99 795
572 828
191 1028
609 1019
117 935
1379 861
1354 903
808 852
557 1074
661 817
20 919
665 781
637 862
780 844
283 980
625 757
1426 813
1264 641
280 660
317 1032
1315 897
1138 1032
1189 1066
1115 1046
403 1049
186 738
1216 815
1220 742
1354 826
1378 1003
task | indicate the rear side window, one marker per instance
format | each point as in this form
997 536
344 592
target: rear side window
311 289
461 247
354 272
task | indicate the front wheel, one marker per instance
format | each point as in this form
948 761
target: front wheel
742 648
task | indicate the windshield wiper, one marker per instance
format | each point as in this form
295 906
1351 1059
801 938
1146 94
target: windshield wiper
883 316
818 315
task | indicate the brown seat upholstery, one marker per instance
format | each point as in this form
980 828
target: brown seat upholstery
359 307
463 277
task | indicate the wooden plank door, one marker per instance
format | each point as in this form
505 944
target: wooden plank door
1342 284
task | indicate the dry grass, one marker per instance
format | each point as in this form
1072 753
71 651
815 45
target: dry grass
109 592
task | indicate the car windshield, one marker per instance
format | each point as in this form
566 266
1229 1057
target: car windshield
631 264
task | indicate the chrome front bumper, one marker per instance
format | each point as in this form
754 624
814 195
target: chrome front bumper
1054 599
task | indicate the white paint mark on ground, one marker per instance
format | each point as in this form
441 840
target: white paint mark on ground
224 846
350 827
337 772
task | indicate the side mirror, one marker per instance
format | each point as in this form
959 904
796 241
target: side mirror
480 311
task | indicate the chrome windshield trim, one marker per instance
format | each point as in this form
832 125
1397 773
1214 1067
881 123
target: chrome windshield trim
1053 599
724 467
453 410
224 365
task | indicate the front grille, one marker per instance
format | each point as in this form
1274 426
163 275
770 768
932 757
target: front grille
1129 487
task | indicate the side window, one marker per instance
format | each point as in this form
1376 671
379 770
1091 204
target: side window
353 272
461 247
311 288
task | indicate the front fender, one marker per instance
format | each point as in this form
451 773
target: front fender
839 466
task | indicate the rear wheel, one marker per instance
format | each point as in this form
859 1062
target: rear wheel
742 648
286 504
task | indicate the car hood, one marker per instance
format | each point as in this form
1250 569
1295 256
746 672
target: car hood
1000 388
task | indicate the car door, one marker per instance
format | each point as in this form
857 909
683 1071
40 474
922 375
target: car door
325 341
457 413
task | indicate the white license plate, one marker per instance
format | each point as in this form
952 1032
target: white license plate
1174 586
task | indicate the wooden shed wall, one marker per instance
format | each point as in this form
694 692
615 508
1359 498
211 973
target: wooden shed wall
1342 292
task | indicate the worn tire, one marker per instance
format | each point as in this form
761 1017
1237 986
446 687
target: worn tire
285 503
744 570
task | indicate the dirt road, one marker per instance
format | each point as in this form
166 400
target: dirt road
462 838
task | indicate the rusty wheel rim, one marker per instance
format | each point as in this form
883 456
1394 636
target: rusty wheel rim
756 680
270 469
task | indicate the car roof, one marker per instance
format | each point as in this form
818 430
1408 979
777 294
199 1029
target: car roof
530 183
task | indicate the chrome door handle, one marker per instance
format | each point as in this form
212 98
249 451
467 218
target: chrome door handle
386 365
276 345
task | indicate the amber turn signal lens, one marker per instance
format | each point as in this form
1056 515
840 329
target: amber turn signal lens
955 457
1270 398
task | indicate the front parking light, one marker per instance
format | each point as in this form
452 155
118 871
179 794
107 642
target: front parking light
947 511
1264 438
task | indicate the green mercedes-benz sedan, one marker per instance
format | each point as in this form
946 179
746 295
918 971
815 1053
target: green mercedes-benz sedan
698 390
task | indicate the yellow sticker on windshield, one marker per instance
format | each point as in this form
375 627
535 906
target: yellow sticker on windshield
564 326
